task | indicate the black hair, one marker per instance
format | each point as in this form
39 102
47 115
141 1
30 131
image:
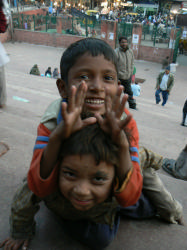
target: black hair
122 38
1 4
92 46
91 140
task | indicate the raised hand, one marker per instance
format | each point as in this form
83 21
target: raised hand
71 123
112 123
71 112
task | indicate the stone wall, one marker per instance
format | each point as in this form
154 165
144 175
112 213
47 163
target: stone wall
42 11
49 39
5 37
154 54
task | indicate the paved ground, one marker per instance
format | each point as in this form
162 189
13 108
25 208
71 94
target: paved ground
159 127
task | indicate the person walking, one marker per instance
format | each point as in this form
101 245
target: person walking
184 110
125 59
165 82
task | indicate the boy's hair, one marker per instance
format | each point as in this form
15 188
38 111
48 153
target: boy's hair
91 140
122 38
92 46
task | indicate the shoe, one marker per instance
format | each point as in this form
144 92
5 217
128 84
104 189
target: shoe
157 102
133 108
182 124
168 169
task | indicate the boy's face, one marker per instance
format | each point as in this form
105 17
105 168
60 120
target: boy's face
84 183
99 74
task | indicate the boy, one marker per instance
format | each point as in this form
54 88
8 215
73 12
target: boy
90 161
90 87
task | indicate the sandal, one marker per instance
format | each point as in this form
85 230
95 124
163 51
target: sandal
168 166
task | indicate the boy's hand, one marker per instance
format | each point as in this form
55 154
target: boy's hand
114 126
112 123
71 112
12 244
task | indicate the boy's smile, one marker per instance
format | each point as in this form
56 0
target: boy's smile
84 183
99 74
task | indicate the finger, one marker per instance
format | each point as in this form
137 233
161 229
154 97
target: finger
7 244
17 244
81 94
117 99
64 110
89 121
25 245
3 243
99 119
122 105
108 101
124 123
10 245
71 99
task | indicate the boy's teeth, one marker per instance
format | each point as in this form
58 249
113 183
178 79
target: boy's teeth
91 101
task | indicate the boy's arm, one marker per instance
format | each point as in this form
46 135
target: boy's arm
42 176
129 192
128 173
39 186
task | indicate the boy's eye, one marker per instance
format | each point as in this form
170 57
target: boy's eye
84 77
99 179
68 174
109 78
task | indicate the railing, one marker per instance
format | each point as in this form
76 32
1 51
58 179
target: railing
71 25
156 35
34 22
124 29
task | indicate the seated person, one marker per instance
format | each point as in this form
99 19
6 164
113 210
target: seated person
35 70
48 72
55 73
